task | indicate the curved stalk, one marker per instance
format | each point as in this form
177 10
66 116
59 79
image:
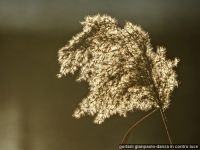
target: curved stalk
126 136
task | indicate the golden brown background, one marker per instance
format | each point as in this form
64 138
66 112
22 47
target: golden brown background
36 107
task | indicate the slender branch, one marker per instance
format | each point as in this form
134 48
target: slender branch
165 124
126 136
158 99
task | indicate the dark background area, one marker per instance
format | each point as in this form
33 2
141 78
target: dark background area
36 108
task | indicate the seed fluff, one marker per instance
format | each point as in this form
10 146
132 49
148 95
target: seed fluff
123 72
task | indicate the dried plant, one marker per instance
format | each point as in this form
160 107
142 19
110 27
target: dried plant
123 72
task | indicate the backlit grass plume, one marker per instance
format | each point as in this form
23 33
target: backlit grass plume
123 72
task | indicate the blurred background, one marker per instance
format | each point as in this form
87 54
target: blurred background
36 108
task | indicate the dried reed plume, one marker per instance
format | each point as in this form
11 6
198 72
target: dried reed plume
123 72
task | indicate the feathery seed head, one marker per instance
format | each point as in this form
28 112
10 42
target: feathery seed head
123 72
